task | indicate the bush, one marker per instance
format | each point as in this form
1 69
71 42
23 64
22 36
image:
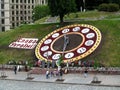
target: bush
103 7
40 11
108 7
113 7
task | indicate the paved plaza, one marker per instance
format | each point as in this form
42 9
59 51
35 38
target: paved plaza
71 82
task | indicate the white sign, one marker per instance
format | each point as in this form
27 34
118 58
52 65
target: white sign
24 43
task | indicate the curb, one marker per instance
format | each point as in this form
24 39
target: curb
91 84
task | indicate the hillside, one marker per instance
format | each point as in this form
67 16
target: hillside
107 53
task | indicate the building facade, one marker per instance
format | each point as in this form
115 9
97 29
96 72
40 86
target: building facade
4 15
13 13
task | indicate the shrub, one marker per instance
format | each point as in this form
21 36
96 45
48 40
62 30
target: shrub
108 7
113 7
40 11
103 7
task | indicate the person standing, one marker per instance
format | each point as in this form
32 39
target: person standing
47 74
15 69
61 73
85 73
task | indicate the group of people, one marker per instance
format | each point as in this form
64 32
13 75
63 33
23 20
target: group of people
54 73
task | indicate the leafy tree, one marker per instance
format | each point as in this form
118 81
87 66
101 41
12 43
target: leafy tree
61 7
40 11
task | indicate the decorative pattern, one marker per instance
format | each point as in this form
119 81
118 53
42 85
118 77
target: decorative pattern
90 40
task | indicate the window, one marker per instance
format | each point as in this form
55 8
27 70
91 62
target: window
2 1
17 12
42 1
25 17
13 25
2 13
28 1
28 12
25 12
16 1
13 18
16 6
20 1
3 29
12 1
25 6
12 12
2 21
2 6
21 6
24 1
17 24
21 18
29 7
17 18
28 17
12 6
32 6
21 12
32 1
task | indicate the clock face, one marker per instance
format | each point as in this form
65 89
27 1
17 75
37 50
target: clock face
82 40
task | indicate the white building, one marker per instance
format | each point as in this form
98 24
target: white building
16 12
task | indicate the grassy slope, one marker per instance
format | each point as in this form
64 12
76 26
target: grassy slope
107 53
32 31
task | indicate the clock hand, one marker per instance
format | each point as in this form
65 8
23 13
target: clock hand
66 41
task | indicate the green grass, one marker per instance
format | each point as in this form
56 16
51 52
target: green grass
92 15
41 20
108 53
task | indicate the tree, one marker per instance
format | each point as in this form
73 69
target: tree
61 7
40 11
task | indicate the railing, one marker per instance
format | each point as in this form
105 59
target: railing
102 70
11 67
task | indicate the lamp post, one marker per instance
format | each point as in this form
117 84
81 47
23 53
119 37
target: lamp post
84 5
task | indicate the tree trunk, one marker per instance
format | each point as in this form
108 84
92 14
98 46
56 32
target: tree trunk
61 18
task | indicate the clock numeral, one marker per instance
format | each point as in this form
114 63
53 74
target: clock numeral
55 35
86 30
48 41
69 55
65 30
44 48
47 54
56 56
89 42
90 35
81 50
76 29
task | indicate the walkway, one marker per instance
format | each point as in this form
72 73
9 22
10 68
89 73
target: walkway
74 79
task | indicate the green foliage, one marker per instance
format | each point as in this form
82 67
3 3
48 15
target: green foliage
103 7
108 53
61 7
113 7
108 7
40 11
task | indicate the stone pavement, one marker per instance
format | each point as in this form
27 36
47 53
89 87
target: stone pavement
75 79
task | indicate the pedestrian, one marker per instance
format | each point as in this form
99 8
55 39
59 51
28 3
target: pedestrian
47 74
61 73
85 73
26 68
51 74
15 69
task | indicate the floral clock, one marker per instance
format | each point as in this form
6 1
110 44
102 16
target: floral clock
83 39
